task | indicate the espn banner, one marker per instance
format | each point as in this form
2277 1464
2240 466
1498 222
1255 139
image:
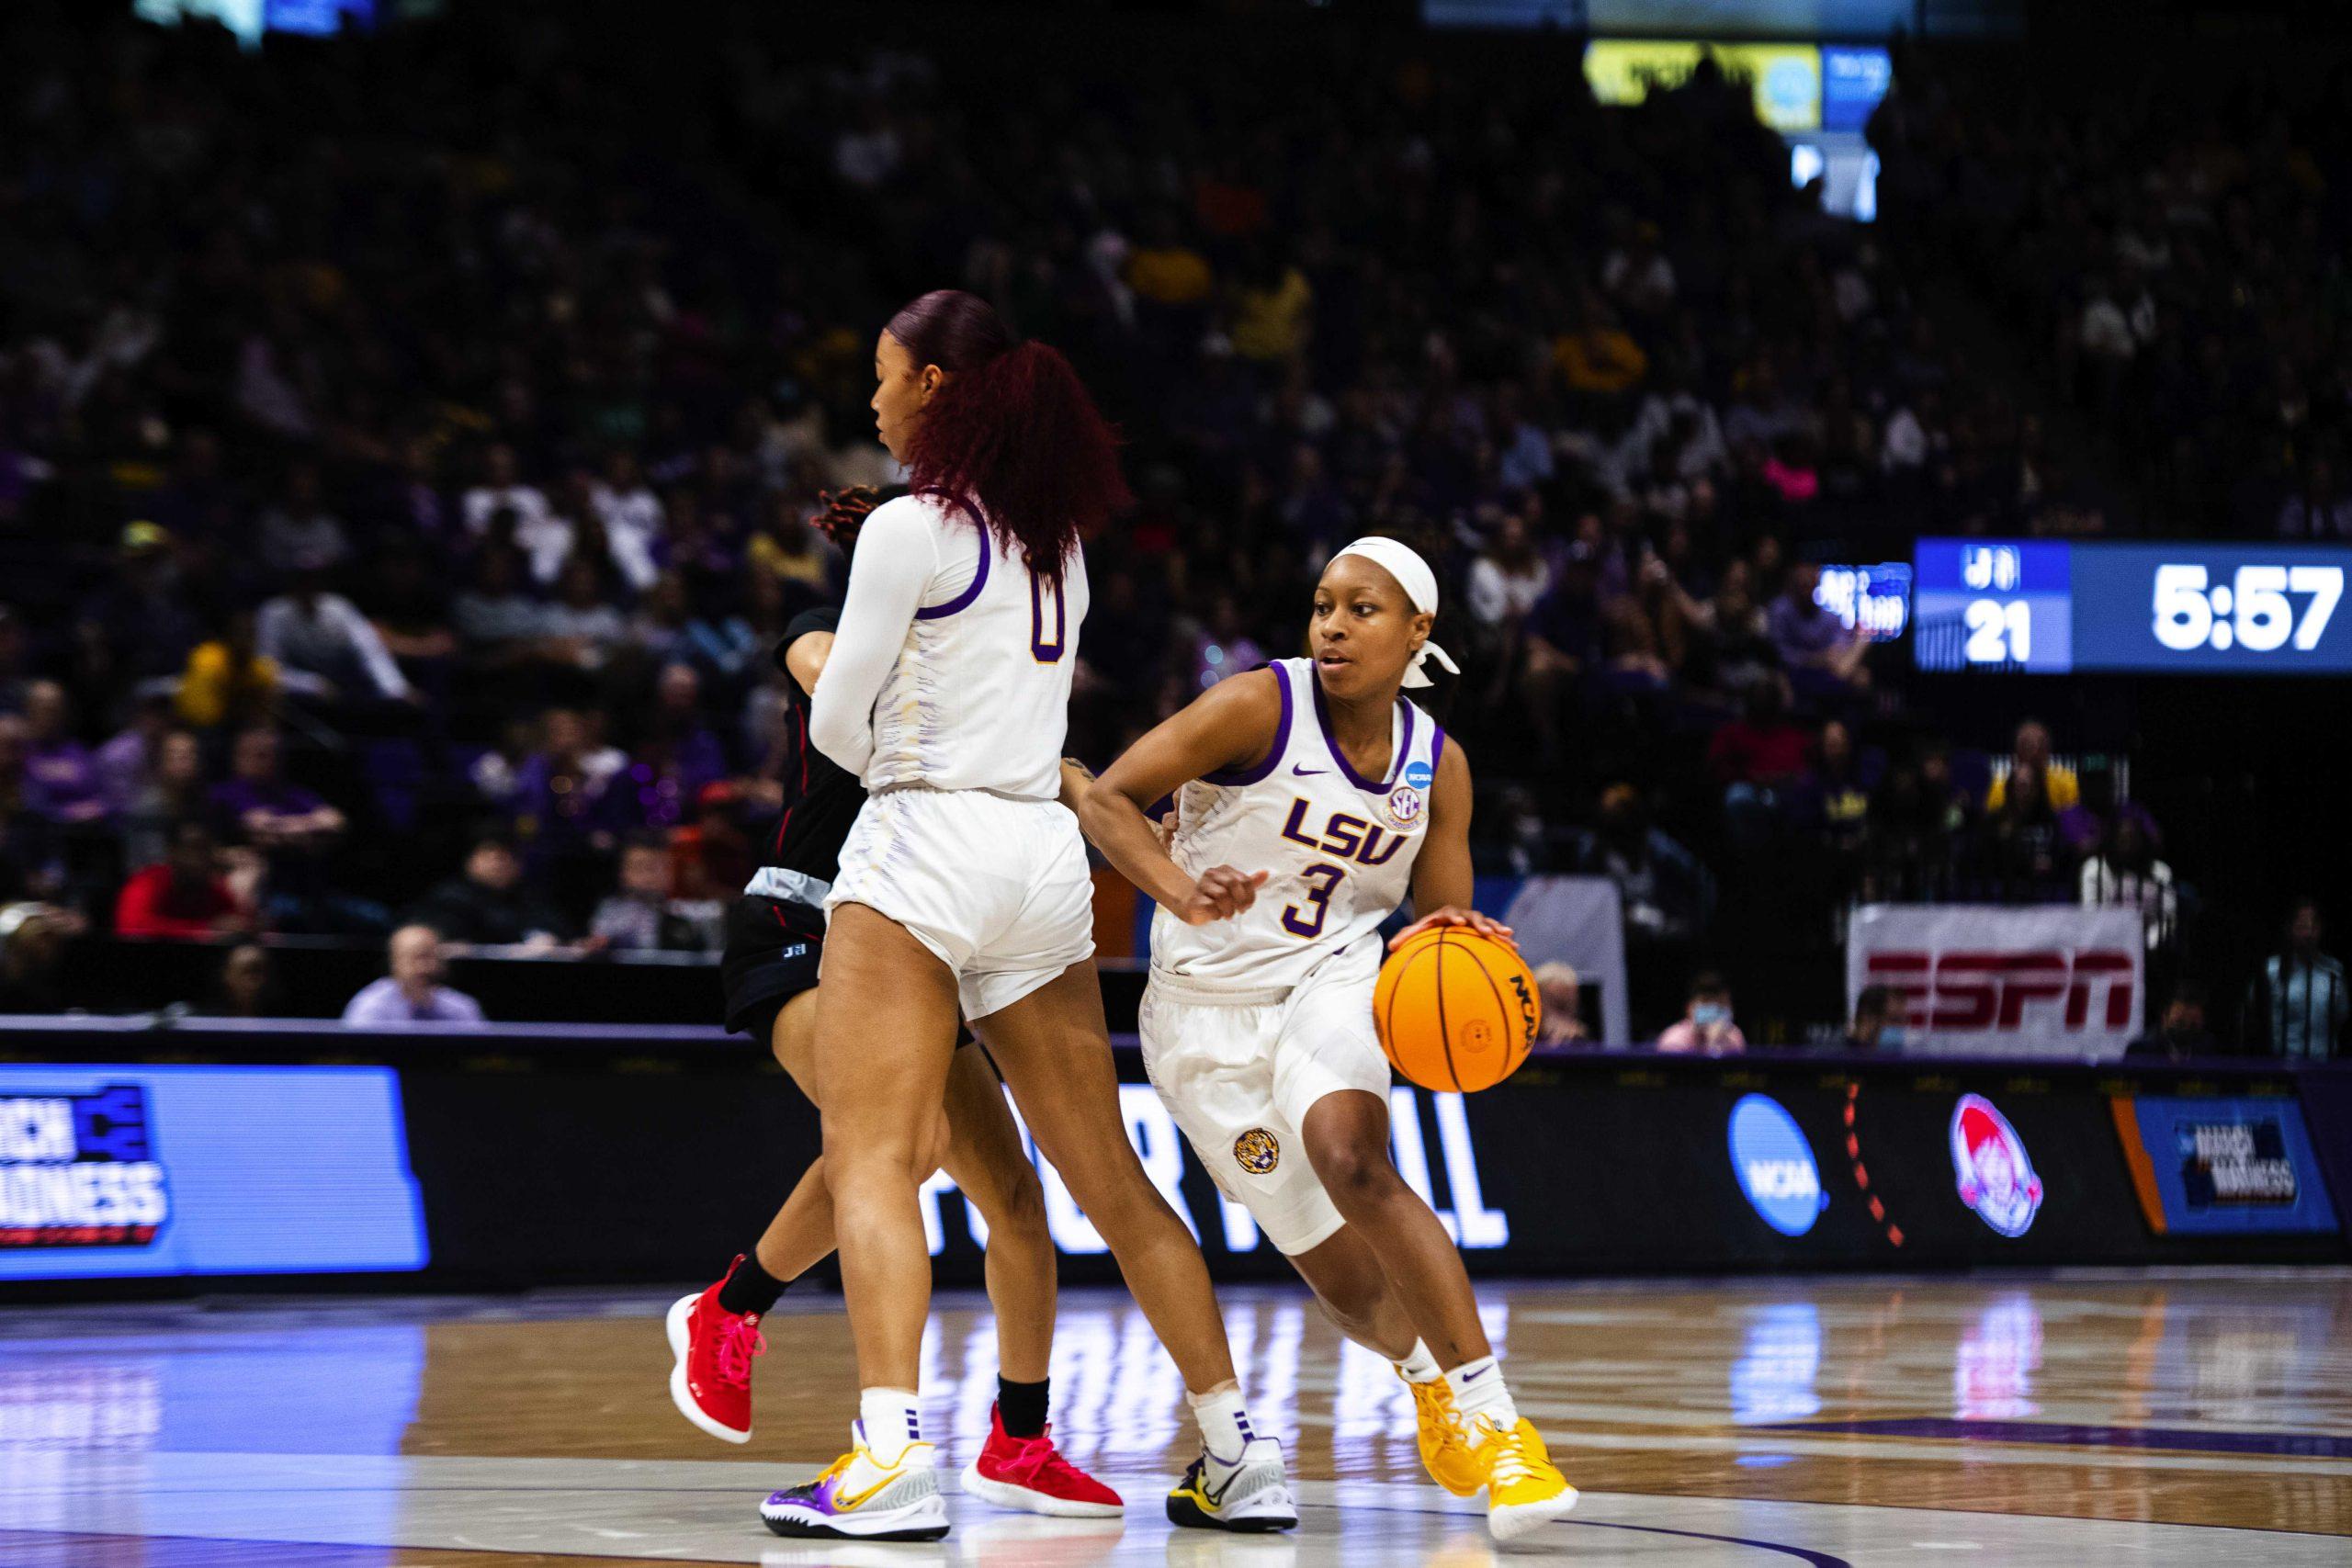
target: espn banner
2004 980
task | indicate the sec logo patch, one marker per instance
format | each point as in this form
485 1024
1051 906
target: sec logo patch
1257 1152
1405 805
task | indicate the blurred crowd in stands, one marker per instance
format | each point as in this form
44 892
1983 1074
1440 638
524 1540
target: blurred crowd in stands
2200 321
407 447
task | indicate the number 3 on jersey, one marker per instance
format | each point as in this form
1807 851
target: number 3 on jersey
1047 652
1321 881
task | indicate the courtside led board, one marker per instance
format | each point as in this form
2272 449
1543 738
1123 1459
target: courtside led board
117 1171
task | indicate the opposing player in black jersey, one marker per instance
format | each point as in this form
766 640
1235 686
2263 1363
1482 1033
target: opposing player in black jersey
774 935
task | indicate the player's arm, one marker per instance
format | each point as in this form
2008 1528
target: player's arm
805 656
1230 724
1077 779
898 557
1443 882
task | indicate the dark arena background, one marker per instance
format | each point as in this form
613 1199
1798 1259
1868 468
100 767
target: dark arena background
1888 466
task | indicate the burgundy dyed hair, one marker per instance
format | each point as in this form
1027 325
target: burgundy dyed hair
1011 430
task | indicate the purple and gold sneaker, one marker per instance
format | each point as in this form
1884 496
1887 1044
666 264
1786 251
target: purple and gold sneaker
859 1498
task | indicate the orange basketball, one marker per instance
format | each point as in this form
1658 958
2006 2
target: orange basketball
1456 1010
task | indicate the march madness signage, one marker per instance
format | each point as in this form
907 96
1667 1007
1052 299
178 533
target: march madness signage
78 1170
2007 980
2227 1167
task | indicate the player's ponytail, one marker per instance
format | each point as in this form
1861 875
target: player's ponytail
1011 430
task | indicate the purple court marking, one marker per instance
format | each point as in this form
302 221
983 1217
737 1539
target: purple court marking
1803 1554
2293 1445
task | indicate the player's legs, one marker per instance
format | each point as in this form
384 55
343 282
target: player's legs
1054 1050
1018 1467
985 1160
1346 1134
1213 1065
1330 1081
714 1333
1354 1290
979 1147
801 1234
884 1038
1347 1142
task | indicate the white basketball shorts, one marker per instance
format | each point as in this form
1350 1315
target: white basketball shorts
1239 1079
997 889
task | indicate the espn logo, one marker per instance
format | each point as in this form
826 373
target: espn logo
1991 990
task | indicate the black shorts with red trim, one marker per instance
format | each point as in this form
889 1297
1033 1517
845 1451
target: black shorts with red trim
773 952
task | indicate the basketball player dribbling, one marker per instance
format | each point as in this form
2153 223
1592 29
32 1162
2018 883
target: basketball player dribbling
1336 797
963 888
776 933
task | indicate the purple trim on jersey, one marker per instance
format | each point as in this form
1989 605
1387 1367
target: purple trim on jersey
1229 777
979 578
1396 762
1437 750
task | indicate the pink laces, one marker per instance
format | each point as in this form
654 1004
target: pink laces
739 1340
1036 1457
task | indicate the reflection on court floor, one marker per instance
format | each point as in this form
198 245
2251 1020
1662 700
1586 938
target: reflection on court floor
2185 1418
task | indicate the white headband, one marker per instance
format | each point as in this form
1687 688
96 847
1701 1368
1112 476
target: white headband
1412 573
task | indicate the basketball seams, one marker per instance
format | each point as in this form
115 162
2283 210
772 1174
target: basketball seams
1445 1036
1503 1020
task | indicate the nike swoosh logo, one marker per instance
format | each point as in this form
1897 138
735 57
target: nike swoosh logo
1308 772
1474 1377
1215 1495
849 1502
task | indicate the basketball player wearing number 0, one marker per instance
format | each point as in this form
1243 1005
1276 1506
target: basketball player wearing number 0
1311 799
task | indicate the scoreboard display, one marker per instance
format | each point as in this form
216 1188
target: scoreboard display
2046 607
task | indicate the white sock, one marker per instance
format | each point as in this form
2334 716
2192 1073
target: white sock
1421 1366
1478 1391
1225 1425
893 1421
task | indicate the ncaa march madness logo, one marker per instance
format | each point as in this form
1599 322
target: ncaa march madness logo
78 1170
1989 1161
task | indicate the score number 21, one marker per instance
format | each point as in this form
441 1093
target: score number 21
2251 611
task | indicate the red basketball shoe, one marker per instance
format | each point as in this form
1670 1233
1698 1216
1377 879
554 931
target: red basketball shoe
1030 1474
711 1384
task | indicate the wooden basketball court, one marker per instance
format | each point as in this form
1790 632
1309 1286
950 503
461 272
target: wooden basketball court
2191 1419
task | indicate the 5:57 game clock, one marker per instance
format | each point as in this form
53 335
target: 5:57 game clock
2042 606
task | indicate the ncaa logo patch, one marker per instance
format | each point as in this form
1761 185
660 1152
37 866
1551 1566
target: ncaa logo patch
1418 774
1257 1152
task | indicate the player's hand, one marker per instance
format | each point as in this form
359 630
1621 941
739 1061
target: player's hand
1454 916
841 513
1220 893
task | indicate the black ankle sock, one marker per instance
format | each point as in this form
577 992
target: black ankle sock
751 1287
1022 1407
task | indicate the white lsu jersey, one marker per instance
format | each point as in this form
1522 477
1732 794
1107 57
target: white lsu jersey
980 696
1340 850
